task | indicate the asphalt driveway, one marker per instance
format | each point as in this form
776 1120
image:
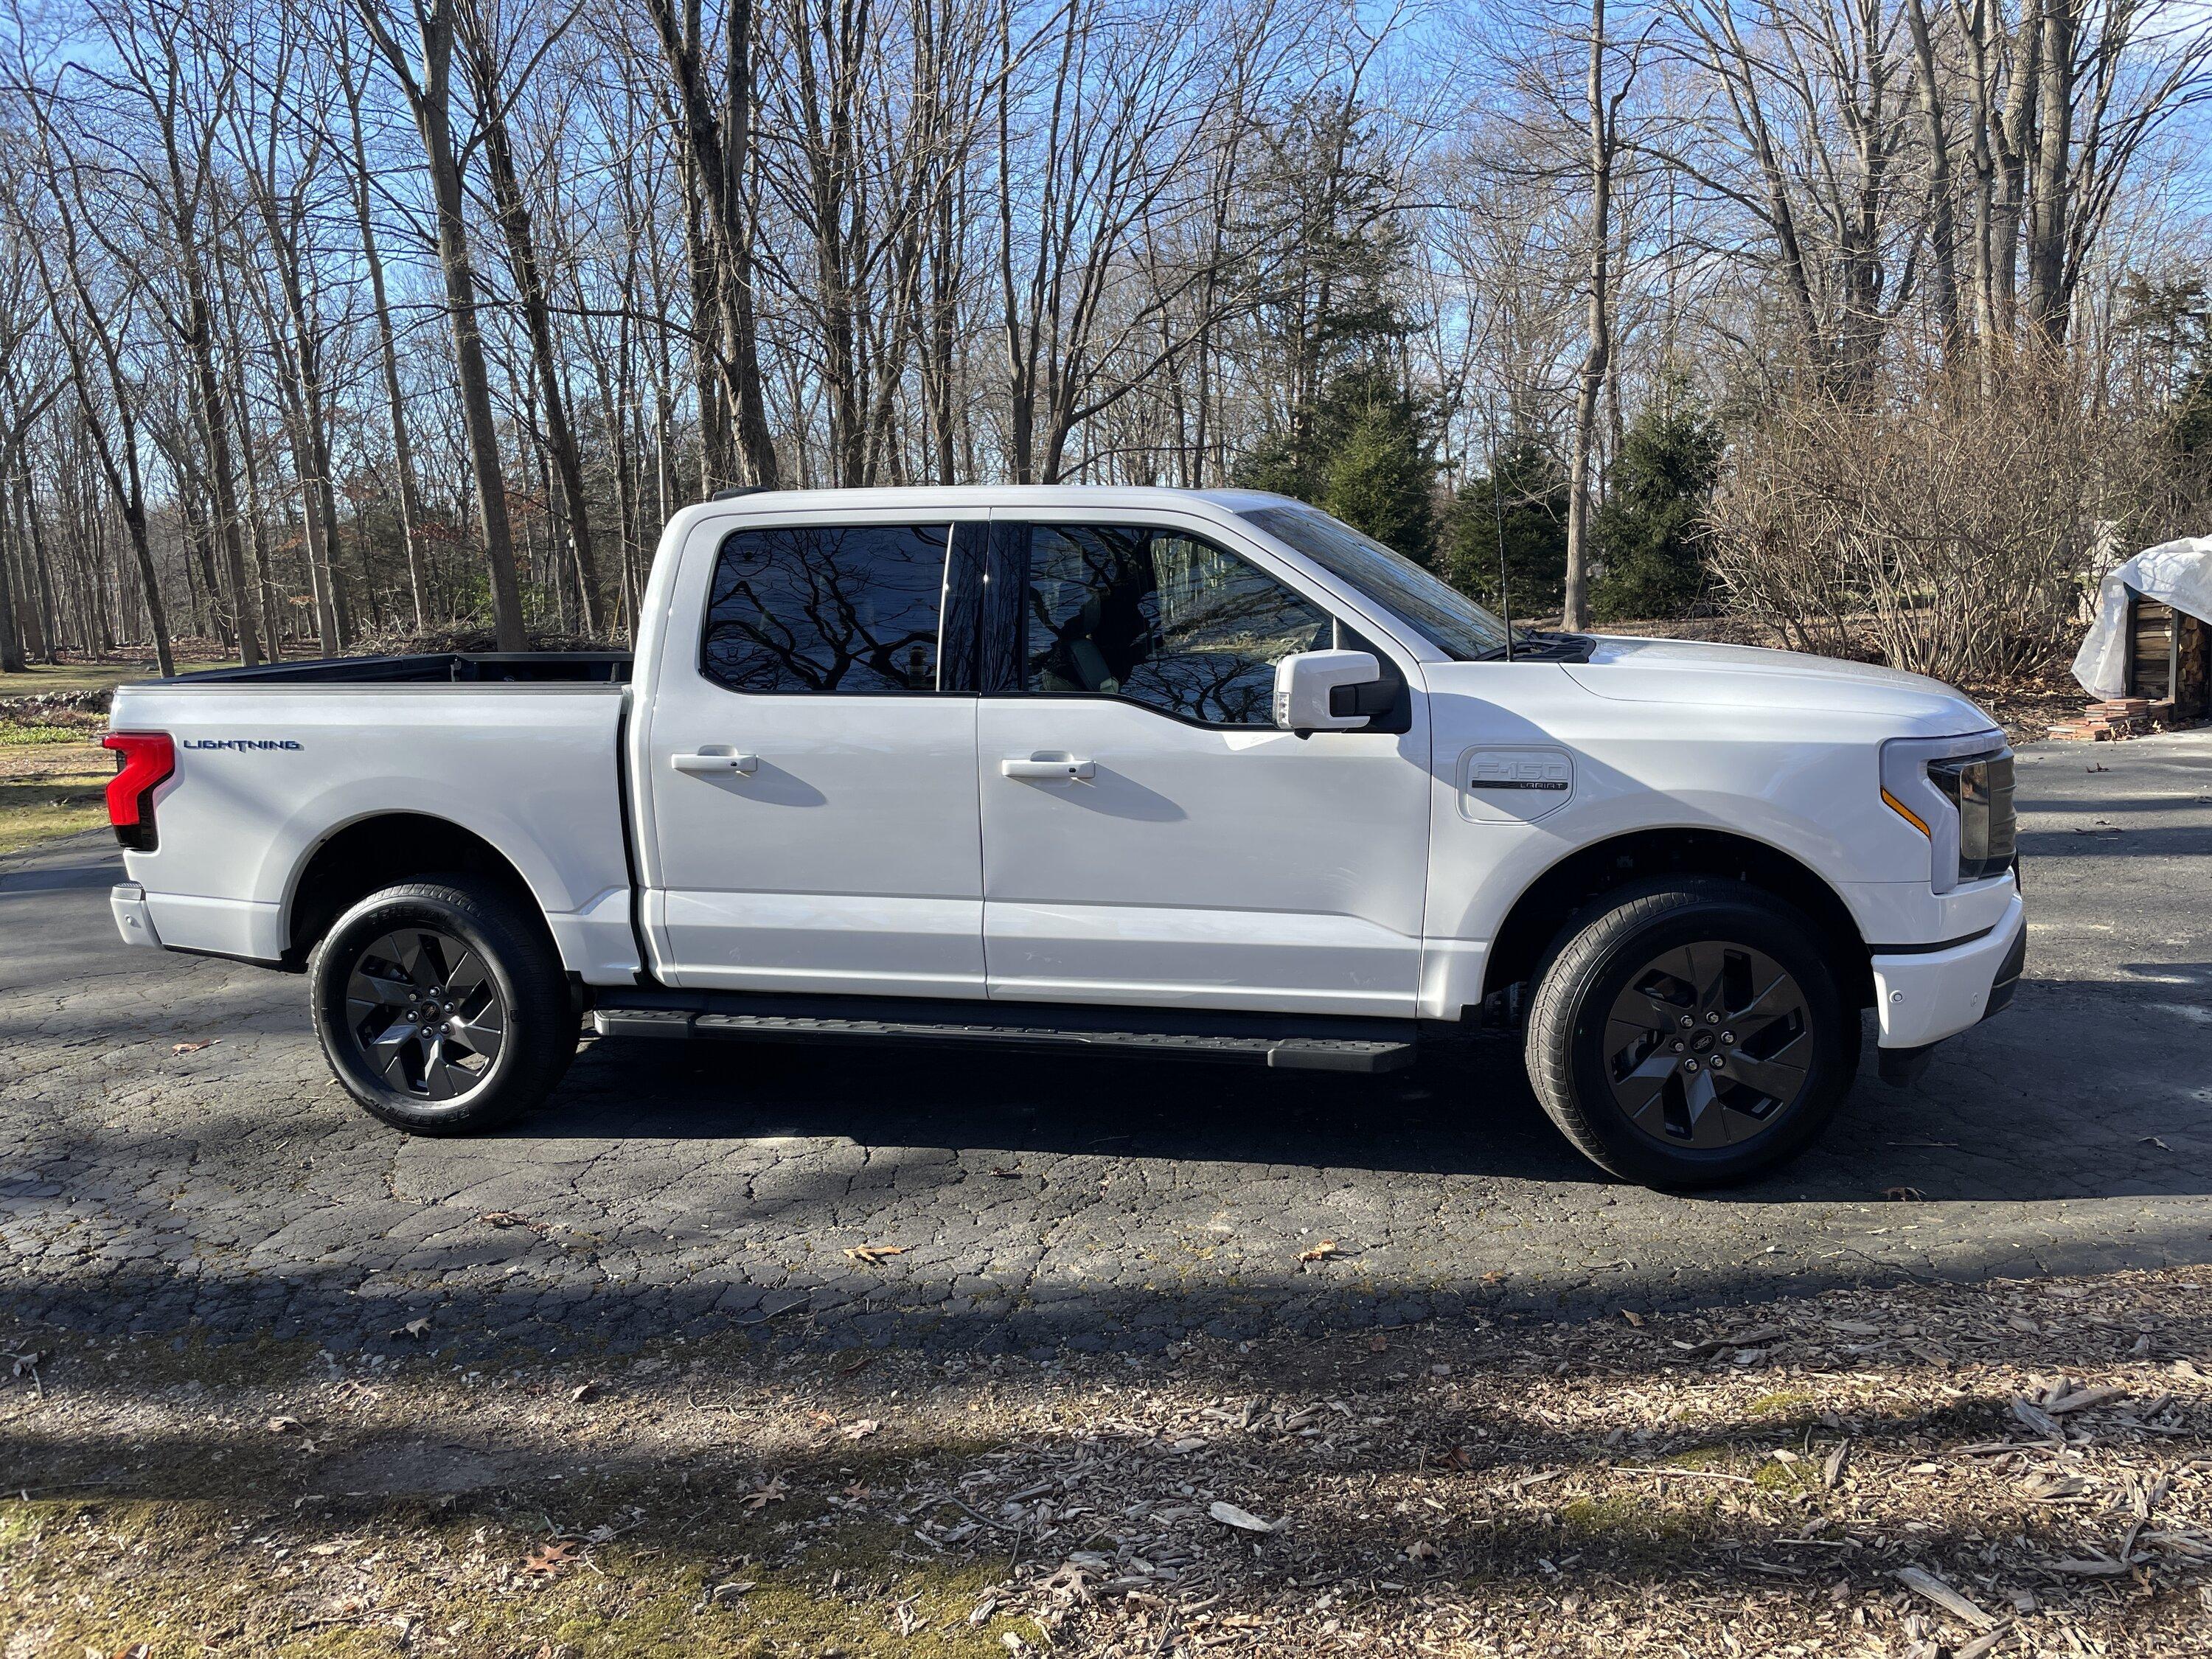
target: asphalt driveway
230 1190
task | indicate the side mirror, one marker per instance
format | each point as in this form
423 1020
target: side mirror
1304 684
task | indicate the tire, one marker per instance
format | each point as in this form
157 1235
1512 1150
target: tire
1645 990
441 1006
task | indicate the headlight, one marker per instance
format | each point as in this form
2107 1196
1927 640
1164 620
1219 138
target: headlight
1957 793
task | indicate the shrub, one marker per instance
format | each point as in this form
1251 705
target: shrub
1954 519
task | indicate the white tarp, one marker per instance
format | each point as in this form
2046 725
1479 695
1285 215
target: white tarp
2178 574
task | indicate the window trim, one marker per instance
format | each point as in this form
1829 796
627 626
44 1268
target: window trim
947 597
1007 573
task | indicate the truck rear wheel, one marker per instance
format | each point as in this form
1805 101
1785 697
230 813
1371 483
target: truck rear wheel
1690 1033
441 1006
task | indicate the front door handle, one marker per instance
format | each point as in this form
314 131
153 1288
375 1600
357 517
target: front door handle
715 765
1046 769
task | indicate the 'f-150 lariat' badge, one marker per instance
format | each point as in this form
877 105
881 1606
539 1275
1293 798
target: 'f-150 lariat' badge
1505 785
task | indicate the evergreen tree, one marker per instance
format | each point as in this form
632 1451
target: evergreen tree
1368 458
1528 490
1647 534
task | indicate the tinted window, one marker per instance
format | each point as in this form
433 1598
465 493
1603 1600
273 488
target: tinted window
816 608
1161 618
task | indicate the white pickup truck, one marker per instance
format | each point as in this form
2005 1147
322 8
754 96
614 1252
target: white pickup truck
1208 774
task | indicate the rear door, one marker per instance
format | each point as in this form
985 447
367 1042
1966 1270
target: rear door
810 757
1149 836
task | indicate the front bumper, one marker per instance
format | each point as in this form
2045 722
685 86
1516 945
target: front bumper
132 919
1926 996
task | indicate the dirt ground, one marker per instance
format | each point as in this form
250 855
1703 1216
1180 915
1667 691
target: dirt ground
2017 1469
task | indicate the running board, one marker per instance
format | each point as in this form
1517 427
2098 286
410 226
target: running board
1364 1046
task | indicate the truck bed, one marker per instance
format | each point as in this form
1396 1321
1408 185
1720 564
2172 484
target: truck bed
433 667
272 763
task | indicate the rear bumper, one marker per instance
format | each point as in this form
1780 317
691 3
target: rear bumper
207 927
1924 997
127 900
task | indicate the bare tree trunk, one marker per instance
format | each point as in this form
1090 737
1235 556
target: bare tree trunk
11 640
2054 142
1599 350
1942 233
402 449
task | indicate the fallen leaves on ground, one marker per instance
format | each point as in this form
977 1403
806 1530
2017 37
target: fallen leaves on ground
1243 1520
874 1255
771 1490
549 1559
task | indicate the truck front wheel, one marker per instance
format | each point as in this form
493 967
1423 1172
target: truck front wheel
441 1006
1690 1033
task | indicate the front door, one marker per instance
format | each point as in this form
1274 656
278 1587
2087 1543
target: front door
814 824
1149 836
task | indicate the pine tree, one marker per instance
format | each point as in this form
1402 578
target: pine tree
1648 533
1528 490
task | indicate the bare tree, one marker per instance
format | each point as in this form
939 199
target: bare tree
427 88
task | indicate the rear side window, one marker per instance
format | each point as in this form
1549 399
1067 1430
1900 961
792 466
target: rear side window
827 608
1161 618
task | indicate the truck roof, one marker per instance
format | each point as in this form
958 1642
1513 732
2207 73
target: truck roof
926 495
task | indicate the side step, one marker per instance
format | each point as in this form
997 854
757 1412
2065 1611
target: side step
1342 1045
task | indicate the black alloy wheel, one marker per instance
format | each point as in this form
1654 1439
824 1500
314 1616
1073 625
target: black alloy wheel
442 1005
1708 1045
425 1014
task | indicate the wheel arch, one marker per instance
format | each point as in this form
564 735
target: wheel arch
1518 949
373 853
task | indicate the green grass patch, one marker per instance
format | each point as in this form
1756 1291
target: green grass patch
40 809
40 680
1782 1402
15 736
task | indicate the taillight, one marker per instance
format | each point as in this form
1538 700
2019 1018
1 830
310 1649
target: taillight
143 762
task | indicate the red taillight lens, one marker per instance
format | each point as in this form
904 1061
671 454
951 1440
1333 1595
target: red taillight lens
144 761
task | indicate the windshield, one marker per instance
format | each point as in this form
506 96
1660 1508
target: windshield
1440 612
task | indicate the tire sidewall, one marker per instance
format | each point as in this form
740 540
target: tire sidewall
1763 927
448 911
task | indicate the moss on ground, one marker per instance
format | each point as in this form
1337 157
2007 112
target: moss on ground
104 1575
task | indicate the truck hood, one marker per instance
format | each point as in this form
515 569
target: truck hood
1628 670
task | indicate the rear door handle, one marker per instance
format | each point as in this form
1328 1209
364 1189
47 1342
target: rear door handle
1046 769
715 765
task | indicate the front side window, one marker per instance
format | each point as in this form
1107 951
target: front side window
1161 618
826 608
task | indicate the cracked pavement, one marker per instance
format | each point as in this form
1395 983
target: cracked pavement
232 1193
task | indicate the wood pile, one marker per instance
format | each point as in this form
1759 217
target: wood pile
2116 717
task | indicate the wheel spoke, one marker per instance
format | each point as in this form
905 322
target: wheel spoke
468 974
388 1052
437 1074
1703 1108
378 987
1776 1079
1778 1000
482 1034
1636 1091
